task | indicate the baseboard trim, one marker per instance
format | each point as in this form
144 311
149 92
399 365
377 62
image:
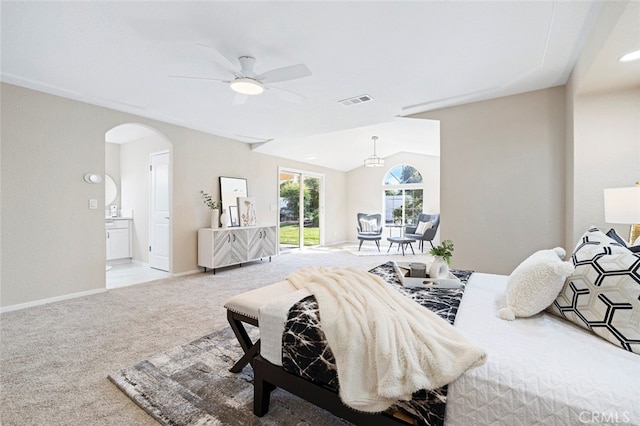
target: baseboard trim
182 274
50 300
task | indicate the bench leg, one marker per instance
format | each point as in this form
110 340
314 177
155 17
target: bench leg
247 358
250 348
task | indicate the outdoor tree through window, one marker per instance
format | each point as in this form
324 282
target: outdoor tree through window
403 195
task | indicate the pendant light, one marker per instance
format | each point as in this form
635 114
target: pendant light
374 160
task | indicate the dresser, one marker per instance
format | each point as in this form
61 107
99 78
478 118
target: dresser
219 247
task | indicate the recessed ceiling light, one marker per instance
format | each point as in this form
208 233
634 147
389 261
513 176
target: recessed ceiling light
631 56
247 86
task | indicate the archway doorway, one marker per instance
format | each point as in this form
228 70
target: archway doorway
143 194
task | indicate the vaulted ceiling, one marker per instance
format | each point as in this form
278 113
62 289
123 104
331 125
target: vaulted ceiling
406 56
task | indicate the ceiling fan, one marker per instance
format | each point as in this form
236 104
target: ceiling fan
246 82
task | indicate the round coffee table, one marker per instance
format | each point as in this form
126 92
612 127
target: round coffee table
403 242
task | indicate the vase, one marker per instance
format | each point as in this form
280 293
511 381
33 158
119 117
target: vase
439 268
215 218
223 218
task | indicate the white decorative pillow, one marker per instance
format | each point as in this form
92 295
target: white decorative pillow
535 283
370 225
422 227
603 294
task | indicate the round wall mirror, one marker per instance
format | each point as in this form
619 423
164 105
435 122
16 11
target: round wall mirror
110 190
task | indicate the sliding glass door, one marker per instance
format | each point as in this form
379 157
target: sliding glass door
300 197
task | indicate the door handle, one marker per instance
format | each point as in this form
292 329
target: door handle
166 217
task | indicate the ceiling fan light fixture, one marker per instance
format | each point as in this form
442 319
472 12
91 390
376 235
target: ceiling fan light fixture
631 56
374 160
247 86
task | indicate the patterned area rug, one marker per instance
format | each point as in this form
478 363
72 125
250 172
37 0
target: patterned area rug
370 249
192 385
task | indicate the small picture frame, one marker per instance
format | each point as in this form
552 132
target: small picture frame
233 215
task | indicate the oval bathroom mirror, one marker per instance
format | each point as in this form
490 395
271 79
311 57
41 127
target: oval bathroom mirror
110 190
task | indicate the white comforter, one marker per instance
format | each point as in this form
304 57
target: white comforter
540 370
386 346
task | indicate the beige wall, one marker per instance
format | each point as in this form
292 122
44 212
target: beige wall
606 154
603 128
53 246
502 178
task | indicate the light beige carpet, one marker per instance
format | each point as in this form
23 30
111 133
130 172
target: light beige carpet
55 359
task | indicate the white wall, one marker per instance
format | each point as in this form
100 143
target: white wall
134 165
54 246
502 178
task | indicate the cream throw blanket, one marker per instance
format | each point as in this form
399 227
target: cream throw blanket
386 346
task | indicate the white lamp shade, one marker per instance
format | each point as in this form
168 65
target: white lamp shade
622 205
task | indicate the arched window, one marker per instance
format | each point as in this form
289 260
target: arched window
403 195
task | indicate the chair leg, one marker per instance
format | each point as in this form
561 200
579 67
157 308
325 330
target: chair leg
431 242
378 245
360 246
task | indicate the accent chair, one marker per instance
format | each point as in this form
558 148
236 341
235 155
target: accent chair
425 230
369 228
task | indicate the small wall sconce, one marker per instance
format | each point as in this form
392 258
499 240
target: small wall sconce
92 178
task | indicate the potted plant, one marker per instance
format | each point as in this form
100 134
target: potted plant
440 266
214 206
444 250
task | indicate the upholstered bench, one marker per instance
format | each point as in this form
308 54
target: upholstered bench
244 308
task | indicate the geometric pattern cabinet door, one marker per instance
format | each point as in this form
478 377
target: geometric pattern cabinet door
229 247
262 242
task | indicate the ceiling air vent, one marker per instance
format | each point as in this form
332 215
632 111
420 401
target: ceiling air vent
356 100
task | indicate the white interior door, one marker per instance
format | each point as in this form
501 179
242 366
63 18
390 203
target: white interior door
159 219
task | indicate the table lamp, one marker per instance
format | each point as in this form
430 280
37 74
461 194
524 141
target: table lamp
622 205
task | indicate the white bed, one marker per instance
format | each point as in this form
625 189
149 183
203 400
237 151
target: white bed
539 370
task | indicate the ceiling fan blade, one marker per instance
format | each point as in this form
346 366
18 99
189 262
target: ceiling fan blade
239 99
200 78
222 60
290 72
287 95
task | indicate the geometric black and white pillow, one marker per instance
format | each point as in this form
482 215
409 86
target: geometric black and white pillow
603 293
